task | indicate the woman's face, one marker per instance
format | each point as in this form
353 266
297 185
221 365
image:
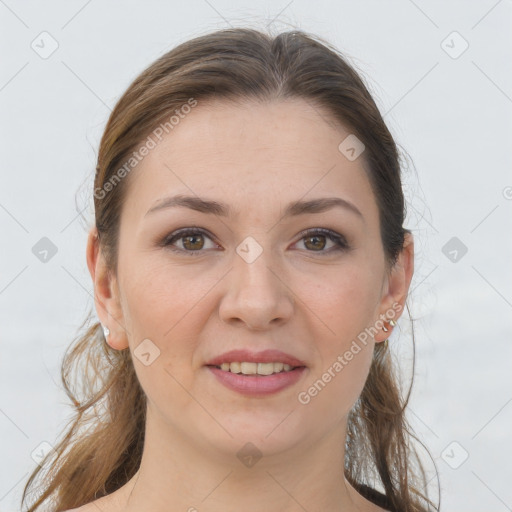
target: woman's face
247 278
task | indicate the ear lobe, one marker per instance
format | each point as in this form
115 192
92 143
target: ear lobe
106 299
399 281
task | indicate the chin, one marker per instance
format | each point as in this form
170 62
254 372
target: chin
271 432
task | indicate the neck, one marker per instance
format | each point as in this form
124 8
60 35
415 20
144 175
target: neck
177 473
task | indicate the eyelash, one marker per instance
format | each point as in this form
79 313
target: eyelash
339 240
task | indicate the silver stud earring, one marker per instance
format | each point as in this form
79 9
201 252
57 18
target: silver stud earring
106 331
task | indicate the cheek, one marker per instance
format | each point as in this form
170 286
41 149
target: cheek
345 301
346 304
155 303
159 297
163 305
337 387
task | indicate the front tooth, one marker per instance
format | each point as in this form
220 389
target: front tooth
235 368
249 368
265 368
255 368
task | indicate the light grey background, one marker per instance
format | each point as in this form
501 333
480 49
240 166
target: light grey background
451 112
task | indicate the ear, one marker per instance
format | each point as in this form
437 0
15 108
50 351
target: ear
106 293
398 281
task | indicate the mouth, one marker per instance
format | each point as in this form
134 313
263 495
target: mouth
256 373
256 379
256 369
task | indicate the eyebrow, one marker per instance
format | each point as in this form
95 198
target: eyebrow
214 207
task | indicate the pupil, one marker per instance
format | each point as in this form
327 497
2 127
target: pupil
318 238
192 237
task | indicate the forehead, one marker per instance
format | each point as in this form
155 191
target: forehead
250 153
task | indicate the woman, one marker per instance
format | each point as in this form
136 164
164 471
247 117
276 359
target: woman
249 262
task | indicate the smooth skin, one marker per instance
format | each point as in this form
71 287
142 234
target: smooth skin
302 295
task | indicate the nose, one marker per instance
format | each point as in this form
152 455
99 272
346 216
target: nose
256 294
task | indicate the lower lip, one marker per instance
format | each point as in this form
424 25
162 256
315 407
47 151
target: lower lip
257 384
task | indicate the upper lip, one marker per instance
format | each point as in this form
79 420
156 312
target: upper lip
265 356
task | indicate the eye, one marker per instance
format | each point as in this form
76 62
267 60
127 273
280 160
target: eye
190 240
316 240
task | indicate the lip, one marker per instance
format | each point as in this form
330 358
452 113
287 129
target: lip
246 356
257 385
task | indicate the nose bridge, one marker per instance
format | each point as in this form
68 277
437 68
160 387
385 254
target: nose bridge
255 293
252 266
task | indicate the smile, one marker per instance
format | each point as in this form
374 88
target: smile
247 368
253 383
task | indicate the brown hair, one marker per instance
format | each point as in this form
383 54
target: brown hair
233 64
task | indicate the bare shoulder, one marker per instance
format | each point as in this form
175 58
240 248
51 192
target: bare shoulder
89 507
362 503
110 503
372 507
379 509
93 506
368 506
